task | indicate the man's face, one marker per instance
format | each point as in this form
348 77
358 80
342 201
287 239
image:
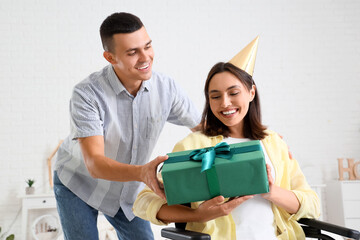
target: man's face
133 56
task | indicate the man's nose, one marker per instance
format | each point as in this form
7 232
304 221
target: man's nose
143 57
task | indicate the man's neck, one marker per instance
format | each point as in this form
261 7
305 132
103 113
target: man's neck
131 85
132 88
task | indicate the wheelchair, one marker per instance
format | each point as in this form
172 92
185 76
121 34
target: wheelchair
313 229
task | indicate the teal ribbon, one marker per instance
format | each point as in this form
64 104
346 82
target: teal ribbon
207 158
207 155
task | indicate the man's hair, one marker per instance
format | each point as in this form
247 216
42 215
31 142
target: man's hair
212 126
121 22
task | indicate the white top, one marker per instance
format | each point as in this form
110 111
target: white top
254 219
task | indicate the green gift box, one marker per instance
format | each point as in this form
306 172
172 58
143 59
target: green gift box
228 170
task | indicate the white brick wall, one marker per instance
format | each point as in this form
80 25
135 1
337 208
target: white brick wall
307 72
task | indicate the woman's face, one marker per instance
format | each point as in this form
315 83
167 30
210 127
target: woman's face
229 101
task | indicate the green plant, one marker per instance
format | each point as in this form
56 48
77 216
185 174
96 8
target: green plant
30 182
10 237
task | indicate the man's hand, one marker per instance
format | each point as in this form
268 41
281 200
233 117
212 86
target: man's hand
216 207
290 155
148 175
196 128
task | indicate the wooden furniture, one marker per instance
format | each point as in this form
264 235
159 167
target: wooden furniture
34 206
37 205
343 203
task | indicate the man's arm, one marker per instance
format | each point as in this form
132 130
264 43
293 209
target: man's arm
100 166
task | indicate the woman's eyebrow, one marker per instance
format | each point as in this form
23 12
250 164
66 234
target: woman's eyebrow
231 87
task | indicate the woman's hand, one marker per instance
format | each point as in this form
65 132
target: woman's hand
216 207
208 210
271 183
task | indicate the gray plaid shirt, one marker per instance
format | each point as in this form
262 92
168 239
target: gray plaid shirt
100 105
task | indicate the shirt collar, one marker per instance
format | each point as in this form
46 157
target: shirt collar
118 87
146 85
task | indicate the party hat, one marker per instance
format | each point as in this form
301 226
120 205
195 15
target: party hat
245 59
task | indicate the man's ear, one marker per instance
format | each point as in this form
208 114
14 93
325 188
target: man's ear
109 57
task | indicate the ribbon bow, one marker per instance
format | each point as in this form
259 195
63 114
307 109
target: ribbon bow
207 155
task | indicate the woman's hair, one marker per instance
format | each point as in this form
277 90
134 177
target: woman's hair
212 126
120 22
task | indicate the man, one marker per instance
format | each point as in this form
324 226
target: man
117 115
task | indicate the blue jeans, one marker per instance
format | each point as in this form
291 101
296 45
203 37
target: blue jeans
79 220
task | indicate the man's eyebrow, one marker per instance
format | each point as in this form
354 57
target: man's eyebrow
231 87
134 49
131 49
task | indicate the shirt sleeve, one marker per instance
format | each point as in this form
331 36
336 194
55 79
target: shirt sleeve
308 199
183 110
85 114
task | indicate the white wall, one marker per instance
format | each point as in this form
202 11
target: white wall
307 72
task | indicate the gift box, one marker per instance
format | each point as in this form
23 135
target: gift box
229 170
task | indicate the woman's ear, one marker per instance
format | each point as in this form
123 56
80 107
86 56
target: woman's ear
252 92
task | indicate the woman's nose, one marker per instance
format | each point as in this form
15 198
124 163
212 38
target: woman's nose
225 101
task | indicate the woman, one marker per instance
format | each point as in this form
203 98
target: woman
232 114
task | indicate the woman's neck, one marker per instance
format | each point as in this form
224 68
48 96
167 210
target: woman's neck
236 131
236 134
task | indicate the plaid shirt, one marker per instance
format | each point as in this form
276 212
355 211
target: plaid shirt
100 105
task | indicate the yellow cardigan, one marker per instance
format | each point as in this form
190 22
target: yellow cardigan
287 175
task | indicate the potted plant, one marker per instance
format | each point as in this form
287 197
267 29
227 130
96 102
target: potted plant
10 237
30 189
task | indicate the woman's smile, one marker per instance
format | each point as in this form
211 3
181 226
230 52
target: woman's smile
229 113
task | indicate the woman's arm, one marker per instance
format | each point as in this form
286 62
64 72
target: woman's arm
208 210
151 207
290 191
281 197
